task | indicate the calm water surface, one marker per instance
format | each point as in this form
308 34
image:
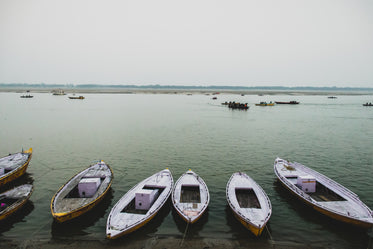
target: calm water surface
140 134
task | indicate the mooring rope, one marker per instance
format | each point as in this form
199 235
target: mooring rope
270 236
185 232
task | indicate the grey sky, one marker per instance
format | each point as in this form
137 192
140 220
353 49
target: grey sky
175 42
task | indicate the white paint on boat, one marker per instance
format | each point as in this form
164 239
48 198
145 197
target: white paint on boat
257 216
345 205
190 211
120 222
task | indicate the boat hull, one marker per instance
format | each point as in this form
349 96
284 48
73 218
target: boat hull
192 210
17 206
248 202
257 231
66 216
125 218
16 173
330 213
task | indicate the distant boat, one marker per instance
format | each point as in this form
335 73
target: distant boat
28 95
368 104
293 102
139 205
75 97
265 104
190 196
214 98
332 97
82 192
59 92
14 199
14 166
237 105
249 203
323 194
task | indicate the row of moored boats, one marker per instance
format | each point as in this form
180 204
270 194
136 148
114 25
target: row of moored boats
189 195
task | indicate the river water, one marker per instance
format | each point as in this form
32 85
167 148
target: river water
141 134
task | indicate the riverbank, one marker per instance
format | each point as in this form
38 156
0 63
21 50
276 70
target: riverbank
152 243
103 90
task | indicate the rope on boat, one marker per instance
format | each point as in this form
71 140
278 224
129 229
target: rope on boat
185 232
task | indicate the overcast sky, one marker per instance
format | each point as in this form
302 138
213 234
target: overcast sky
187 42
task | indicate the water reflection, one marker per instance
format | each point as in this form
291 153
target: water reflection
76 227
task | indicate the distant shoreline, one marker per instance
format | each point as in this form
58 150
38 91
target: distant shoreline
103 90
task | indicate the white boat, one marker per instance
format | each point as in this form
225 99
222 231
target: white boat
139 205
14 165
190 196
249 203
14 199
323 194
82 192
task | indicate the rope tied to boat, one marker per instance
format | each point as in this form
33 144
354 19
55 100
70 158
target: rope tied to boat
185 232
270 236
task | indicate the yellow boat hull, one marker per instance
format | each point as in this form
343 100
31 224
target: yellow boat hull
6 215
62 217
17 172
257 231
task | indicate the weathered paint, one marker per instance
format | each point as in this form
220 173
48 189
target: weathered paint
62 217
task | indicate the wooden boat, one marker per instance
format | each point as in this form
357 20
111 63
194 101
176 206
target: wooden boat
265 104
82 192
293 102
14 199
323 194
139 205
75 97
240 106
14 166
249 203
190 196
28 96
58 92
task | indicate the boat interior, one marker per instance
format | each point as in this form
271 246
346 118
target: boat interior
131 207
6 202
322 192
74 193
190 194
247 198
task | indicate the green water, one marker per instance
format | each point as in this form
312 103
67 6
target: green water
140 134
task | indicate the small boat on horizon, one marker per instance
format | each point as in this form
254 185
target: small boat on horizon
76 97
139 205
82 192
323 194
14 165
27 95
293 102
190 196
368 104
332 97
262 103
249 203
14 199
58 92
